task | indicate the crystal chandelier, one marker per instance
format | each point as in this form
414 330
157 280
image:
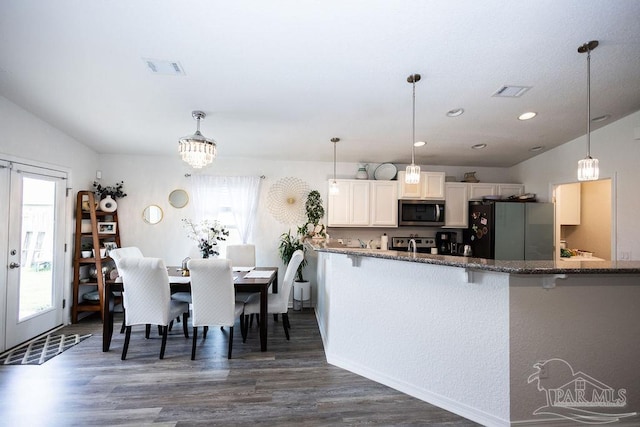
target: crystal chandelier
588 167
197 149
412 175
333 187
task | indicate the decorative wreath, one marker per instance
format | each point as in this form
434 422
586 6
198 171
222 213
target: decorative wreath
286 200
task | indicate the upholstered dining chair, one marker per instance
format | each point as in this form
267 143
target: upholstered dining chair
118 255
147 298
213 301
277 303
242 257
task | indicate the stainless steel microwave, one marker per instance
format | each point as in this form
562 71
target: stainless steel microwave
423 213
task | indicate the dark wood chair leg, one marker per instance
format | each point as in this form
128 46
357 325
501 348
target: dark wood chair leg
244 325
124 323
230 342
206 329
243 330
285 324
165 332
193 346
185 327
125 347
147 330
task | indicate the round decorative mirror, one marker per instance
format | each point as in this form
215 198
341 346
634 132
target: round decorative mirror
152 214
178 198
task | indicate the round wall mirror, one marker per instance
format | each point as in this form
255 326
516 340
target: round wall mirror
178 198
152 214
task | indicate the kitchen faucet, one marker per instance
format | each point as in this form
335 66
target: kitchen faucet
412 242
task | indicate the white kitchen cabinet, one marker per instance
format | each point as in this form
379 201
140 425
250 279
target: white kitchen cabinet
507 190
456 207
478 190
384 204
363 203
431 186
568 204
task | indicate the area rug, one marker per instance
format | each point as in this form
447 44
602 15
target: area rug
41 349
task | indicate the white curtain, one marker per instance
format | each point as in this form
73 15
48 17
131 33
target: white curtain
208 193
240 193
244 192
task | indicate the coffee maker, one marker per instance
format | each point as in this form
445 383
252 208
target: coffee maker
445 242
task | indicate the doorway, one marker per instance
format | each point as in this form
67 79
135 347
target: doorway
584 218
32 216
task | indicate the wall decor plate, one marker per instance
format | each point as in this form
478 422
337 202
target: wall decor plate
385 172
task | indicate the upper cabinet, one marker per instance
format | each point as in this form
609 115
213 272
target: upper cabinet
458 194
431 186
456 205
363 203
568 204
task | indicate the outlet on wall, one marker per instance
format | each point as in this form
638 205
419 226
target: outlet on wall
625 255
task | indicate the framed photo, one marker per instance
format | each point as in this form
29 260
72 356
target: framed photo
107 227
110 246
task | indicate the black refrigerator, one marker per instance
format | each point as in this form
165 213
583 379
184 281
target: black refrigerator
511 230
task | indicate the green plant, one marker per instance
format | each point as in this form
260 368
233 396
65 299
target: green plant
115 191
289 243
315 212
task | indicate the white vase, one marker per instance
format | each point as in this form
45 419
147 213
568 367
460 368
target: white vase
108 204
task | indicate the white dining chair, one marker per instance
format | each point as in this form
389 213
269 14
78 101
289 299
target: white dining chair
277 303
147 298
242 257
213 301
118 255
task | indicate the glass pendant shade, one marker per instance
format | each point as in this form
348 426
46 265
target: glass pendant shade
334 189
412 175
588 169
197 150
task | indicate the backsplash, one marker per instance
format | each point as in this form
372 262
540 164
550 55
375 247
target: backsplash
353 236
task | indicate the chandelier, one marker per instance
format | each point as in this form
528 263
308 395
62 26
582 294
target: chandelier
412 175
197 149
588 169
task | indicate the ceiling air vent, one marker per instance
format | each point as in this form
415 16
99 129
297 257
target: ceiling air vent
168 68
511 91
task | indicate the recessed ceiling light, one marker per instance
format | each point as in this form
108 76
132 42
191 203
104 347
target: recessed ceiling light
527 116
536 148
479 146
601 118
455 112
419 144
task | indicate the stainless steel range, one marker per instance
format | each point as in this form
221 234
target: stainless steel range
423 244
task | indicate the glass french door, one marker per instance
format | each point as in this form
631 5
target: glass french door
32 281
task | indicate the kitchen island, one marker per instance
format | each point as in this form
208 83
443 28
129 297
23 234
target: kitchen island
480 337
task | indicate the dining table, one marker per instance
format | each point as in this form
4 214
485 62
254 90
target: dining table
258 279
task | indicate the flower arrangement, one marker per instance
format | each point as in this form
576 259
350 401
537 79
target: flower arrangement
206 234
115 191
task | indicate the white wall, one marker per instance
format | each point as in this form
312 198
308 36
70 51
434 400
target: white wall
619 155
25 137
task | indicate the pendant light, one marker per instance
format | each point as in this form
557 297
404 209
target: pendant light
333 187
412 175
197 149
588 167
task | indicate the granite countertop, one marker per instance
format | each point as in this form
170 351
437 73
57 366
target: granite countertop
513 267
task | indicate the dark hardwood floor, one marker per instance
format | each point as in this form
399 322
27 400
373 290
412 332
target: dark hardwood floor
291 384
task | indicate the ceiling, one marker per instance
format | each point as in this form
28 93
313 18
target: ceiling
278 79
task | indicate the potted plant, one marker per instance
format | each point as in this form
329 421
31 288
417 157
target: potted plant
106 196
289 243
315 211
